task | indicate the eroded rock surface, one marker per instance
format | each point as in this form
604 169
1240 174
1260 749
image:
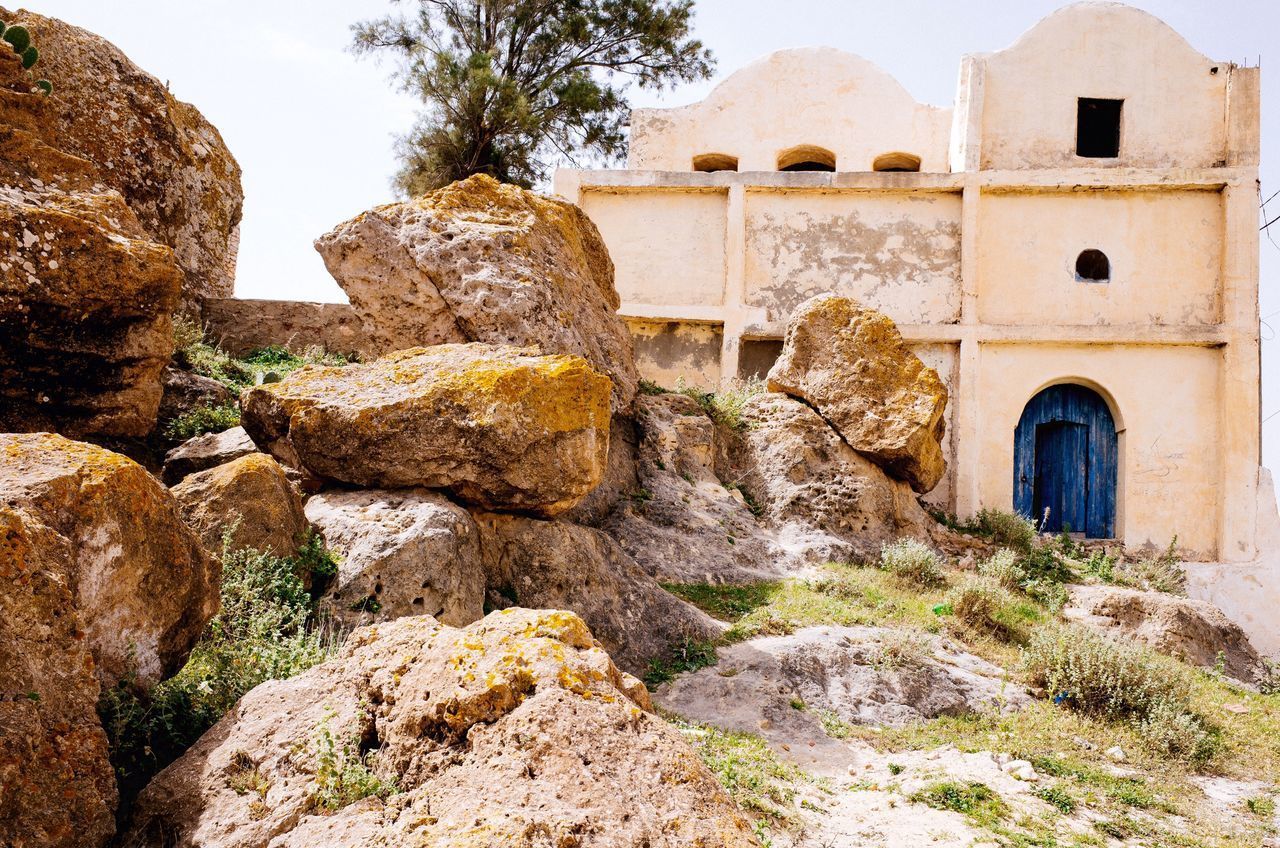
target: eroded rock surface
57 787
205 452
850 363
248 502
499 427
141 583
515 731
403 552
485 262
169 163
824 500
555 564
1194 631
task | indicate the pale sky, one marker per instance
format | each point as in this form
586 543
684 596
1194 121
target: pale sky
312 126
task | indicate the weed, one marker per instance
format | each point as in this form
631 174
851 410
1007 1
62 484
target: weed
317 559
747 768
725 406
1057 797
1264 808
726 602
1160 573
975 800
913 561
343 774
833 725
1003 568
201 420
690 655
895 769
648 387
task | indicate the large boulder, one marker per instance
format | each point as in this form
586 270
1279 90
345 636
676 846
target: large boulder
169 164
248 503
515 731
680 521
1194 631
141 583
185 391
85 298
850 363
824 500
499 427
555 564
403 552
57 787
485 262
206 451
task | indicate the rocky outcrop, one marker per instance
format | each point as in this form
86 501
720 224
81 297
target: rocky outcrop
779 686
185 391
85 298
824 500
515 731
499 427
206 451
248 503
57 787
554 564
485 262
1196 632
169 164
681 522
142 586
403 552
851 365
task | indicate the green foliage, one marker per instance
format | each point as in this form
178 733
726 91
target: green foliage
975 800
984 606
511 86
1264 808
1058 797
29 57
1003 568
725 601
45 86
201 420
912 561
690 655
1007 529
1121 681
833 725
316 558
261 632
648 387
344 775
725 406
1160 573
753 775
19 38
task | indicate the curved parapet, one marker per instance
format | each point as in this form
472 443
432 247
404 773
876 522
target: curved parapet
809 98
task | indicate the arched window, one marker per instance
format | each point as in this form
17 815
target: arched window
896 161
806 157
1092 266
708 162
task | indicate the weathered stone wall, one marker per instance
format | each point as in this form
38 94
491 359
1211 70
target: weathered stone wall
240 325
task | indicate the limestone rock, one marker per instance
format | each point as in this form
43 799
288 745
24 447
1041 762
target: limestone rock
850 363
249 497
57 787
1194 631
681 522
205 452
85 299
403 552
169 163
515 731
554 564
485 262
824 500
499 427
863 675
142 585
186 390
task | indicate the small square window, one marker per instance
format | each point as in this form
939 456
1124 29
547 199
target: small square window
1098 128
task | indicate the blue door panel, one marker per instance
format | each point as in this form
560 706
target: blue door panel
1065 459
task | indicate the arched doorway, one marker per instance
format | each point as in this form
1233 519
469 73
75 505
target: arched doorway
1065 455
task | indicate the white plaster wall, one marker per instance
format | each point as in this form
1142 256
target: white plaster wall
668 247
669 351
816 95
945 359
898 253
1167 400
1165 250
1174 105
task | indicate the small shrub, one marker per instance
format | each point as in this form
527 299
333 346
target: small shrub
689 656
1160 573
833 725
344 775
978 604
725 406
1003 568
1007 529
1170 730
913 561
648 387
1045 563
316 558
1101 565
201 420
975 800
901 649
1050 593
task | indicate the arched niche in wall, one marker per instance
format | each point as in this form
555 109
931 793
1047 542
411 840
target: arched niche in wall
806 157
709 162
896 161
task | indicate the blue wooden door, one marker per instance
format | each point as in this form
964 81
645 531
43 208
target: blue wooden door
1065 461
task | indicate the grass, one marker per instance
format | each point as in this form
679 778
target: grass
725 406
201 420
689 656
263 631
754 776
976 801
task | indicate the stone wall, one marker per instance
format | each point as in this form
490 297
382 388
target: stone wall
240 325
